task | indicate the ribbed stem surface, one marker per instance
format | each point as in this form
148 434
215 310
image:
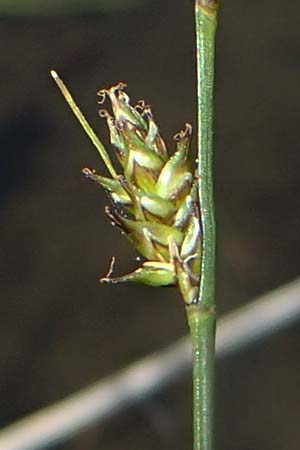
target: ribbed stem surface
201 316
206 22
202 329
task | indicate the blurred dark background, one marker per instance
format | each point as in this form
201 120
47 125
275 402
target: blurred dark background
60 330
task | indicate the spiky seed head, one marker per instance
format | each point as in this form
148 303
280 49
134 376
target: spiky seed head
155 198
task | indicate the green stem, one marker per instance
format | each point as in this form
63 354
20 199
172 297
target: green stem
201 316
202 329
206 21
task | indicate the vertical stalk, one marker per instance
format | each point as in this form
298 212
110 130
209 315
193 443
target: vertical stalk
206 21
202 329
201 315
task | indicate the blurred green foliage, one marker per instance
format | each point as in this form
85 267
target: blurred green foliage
42 7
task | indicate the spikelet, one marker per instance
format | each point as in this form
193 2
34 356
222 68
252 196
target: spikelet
155 200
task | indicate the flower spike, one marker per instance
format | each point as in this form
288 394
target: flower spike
154 201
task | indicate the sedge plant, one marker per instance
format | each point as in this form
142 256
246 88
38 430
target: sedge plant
165 207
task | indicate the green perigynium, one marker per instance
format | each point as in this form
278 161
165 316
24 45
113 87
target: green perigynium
154 200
